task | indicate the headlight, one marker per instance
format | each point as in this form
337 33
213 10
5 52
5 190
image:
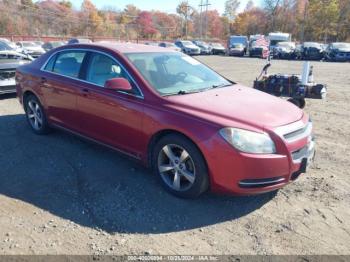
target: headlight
248 141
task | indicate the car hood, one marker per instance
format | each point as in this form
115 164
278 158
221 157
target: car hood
218 47
34 49
191 46
229 106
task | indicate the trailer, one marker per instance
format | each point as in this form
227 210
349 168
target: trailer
296 88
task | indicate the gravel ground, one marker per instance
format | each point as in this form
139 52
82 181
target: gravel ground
62 195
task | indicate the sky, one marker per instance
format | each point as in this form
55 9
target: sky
168 6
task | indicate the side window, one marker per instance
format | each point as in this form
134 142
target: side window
50 64
68 63
103 68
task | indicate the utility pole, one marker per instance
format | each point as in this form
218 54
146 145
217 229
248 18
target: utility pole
200 20
302 33
187 6
206 5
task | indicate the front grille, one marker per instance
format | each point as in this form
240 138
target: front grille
7 89
293 133
7 74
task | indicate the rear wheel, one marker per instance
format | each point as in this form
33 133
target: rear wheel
180 166
35 115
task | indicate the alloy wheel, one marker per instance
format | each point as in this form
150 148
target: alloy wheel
35 115
176 167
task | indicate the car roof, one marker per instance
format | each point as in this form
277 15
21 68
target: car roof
125 47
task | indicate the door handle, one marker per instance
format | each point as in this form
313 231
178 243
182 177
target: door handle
43 80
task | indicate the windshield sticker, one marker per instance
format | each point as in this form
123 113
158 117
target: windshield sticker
190 60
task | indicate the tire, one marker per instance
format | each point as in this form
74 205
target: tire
186 178
36 116
298 102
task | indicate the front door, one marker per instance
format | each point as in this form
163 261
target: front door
109 116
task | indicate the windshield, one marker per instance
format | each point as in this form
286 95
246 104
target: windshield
5 46
341 45
187 43
238 40
175 73
237 45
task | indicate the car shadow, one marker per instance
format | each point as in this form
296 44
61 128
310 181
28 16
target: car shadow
99 188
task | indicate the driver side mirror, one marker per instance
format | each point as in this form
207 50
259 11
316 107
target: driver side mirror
119 84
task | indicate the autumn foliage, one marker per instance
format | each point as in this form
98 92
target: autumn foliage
318 20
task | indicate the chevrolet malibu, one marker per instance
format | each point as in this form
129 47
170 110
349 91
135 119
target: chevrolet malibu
196 129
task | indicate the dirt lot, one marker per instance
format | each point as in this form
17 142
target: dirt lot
62 195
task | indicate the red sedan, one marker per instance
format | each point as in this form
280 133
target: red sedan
194 128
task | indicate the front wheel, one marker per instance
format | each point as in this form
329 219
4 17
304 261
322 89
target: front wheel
180 166
35 115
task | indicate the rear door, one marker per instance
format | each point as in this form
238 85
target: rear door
61 83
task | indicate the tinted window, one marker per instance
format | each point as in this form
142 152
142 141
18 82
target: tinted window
103 68
69 63
50 64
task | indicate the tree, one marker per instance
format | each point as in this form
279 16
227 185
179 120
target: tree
343 23
92 18
165 24
186 12
145 24
251 22
231 7
271 7
215 27
323 16
249 5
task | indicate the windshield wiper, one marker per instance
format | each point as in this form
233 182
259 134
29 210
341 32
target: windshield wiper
221 85
183 92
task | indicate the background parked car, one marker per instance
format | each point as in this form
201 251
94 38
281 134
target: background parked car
284 50
204 47
238 39
257 50
170 45
338 52
312 51
217 49
31 48
8 45
276 37
39 43
51 45
188 47
79 41
236 50
9 61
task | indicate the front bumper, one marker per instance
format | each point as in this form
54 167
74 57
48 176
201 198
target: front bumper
218 51
193 51
7 86
238 173
236 52
342 57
